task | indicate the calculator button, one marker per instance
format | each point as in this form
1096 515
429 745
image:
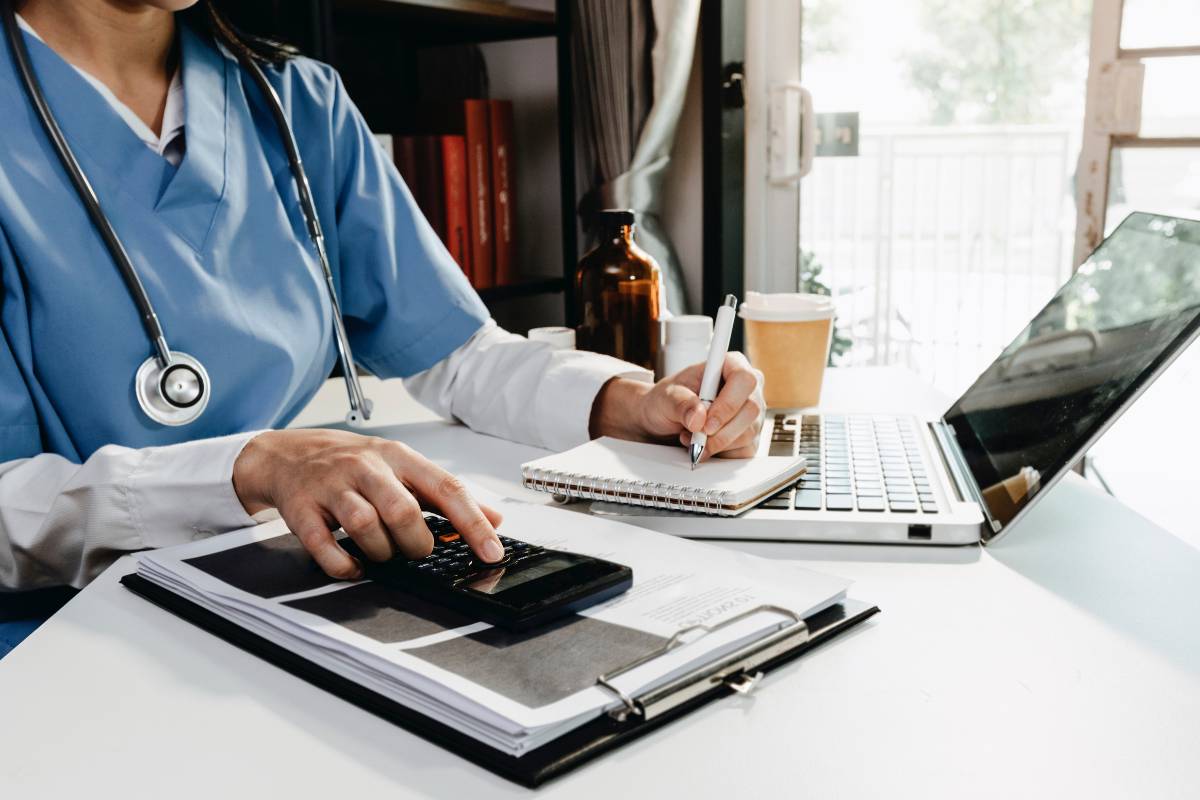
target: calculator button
446 538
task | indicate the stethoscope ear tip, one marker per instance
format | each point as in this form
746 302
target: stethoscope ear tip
358 417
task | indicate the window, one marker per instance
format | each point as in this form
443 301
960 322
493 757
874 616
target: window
951 222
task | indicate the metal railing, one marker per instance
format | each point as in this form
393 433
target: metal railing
939 244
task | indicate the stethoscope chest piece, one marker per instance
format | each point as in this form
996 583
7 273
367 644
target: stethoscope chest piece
172 395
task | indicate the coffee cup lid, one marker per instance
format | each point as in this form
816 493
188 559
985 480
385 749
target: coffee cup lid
786 307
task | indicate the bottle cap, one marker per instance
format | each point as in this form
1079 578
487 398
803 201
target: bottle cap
687 328
617 216
558 338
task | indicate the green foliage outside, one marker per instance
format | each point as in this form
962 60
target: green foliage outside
998 61
823 30
811 283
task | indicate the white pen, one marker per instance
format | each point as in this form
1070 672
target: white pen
711 382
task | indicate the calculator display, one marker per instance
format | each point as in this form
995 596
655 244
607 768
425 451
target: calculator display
530 586
493 583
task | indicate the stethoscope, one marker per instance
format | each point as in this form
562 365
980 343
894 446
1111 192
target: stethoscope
172 387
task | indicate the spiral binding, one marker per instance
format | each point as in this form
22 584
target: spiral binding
650 494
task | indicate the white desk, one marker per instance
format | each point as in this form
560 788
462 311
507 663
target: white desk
1063 662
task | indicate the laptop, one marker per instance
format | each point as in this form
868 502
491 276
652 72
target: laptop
974 472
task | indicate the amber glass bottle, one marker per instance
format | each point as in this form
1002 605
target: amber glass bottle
617 288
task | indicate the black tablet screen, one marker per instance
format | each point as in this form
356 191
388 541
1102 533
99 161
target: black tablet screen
1129 308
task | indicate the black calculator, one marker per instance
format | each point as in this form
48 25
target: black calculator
529 587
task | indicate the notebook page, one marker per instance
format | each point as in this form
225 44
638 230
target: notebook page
616 459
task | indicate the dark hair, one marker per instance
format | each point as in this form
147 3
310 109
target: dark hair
207 18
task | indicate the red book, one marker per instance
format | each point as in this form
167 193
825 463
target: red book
419 159
501 112
432 201
479 192
454 171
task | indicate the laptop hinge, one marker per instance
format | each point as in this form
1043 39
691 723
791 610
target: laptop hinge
956 465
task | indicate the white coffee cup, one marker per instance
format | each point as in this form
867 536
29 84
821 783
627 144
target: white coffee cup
788 337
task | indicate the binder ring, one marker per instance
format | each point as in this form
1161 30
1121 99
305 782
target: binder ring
637 706
631 708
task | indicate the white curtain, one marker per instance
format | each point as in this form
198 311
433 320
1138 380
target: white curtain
632 61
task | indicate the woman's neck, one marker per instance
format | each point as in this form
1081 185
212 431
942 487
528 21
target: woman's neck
127 45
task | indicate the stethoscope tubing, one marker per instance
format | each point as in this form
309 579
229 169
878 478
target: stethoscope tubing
133 282
358 402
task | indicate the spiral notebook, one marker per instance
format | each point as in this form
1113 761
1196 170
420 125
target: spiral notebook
660 476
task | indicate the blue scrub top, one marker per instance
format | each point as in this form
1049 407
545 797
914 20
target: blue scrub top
221 246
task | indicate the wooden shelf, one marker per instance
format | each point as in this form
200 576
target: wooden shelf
454 21
524 289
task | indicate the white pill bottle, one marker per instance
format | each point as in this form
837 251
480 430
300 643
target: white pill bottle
685 341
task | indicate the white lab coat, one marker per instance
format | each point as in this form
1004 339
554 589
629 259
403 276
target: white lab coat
63 523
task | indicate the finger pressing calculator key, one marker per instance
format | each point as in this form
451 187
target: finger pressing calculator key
530 586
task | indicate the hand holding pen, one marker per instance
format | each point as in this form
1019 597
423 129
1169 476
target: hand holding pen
725 422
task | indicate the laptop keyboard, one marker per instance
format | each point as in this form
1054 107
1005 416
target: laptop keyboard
854 462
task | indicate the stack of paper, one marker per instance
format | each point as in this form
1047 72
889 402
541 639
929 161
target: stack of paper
511 691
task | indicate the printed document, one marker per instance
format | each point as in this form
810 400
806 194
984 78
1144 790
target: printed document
513 691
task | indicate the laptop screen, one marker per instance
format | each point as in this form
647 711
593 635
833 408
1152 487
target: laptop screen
1124 313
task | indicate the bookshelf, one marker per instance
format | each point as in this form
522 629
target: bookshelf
375 46
457 21
526 288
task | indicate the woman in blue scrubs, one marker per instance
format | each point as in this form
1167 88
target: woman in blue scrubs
190 168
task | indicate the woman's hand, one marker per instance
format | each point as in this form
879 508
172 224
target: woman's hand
671 410
372 488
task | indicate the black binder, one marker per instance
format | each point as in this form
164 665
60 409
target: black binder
738 672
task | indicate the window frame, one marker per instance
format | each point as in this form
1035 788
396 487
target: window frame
1112 118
